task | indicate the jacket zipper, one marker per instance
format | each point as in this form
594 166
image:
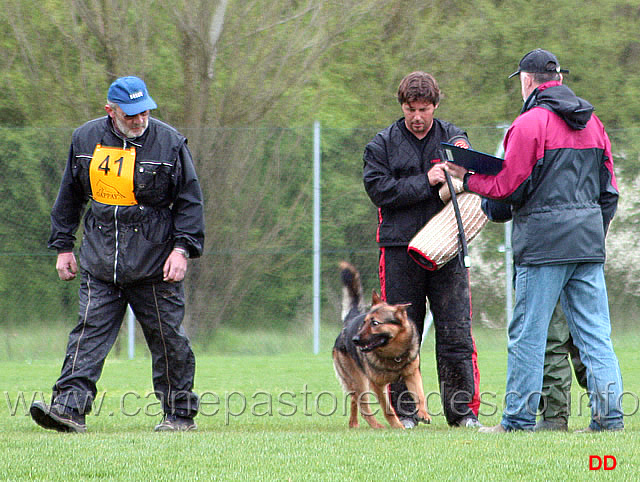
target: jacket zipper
115 221
115 258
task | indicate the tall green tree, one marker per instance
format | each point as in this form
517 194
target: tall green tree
244 80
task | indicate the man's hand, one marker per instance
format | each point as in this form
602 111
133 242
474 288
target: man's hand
455 170
66 266
435 175
175 267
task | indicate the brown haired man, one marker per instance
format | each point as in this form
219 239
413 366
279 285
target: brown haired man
402 175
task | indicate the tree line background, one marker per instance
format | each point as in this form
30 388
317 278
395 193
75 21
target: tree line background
244 81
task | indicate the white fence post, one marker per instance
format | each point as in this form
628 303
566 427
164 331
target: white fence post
131 324
316 237
508 250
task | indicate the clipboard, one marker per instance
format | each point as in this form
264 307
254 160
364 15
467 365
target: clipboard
475 161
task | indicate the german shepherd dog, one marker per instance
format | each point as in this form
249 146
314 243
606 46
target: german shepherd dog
375 348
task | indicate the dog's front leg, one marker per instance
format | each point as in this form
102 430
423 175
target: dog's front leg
385 404
414 385
364 401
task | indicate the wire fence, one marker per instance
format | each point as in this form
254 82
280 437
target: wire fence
257 268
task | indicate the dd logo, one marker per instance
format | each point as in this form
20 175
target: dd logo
607 462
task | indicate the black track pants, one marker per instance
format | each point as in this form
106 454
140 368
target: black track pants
402 280
159 308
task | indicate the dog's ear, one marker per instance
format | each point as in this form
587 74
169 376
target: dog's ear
401 310
375 299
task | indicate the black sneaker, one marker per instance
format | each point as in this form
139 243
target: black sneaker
57 417
174 423
589 429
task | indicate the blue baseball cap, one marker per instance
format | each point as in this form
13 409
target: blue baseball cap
131 94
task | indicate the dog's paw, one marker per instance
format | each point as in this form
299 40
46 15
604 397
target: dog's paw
424 417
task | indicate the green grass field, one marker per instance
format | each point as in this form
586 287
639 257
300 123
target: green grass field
282 417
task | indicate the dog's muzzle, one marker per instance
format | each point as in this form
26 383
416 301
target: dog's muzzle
370 345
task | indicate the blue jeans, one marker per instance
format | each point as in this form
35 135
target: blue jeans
582 292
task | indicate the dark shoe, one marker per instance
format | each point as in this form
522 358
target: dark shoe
174 423
591 430
469 422
547 425
495 429
57 417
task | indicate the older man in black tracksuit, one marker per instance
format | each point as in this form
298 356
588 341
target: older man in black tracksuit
402 176
145 218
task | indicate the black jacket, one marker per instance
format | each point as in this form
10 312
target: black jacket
395 178
125 244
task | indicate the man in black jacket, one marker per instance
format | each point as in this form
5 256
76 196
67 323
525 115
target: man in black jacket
402 176
145 219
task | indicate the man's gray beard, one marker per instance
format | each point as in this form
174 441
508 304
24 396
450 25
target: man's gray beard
125 131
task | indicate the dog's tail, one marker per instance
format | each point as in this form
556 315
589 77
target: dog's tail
351 291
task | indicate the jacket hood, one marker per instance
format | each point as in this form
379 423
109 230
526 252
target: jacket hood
560 99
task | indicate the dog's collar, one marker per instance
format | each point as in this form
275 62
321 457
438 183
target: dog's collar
404 357
395 364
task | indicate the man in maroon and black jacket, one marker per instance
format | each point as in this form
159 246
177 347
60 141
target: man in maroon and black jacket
402 175
559 181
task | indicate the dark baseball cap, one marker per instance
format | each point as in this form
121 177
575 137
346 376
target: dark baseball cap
131 94
539 61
